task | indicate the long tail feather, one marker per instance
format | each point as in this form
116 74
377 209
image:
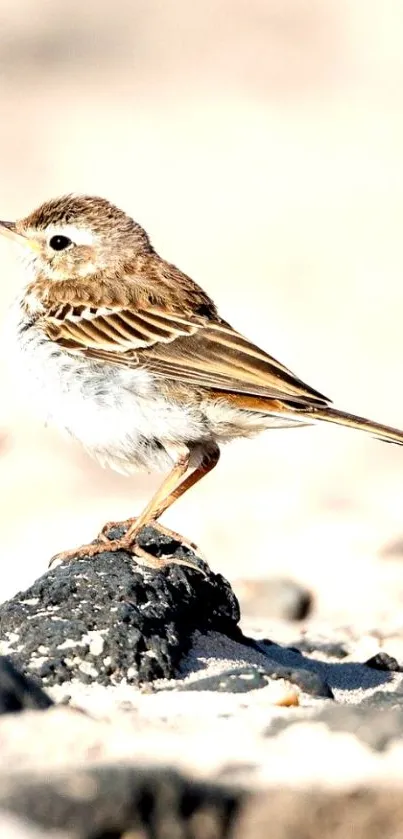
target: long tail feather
287 412
382 432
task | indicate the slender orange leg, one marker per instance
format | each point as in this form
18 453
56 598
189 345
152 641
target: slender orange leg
207 464
136 523
170 490
165 497
150 512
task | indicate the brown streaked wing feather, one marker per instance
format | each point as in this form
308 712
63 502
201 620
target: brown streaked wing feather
217 357
192 350
114 331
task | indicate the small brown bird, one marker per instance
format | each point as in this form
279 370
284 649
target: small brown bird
130 357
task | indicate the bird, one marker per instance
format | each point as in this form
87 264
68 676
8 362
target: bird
130 357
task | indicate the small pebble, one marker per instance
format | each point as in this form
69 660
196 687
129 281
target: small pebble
383 661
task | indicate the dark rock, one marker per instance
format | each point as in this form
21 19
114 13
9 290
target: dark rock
252 677
290 664
336 674
307 680
328 648
276 598
17 692
107 618
384 661
267 642
113 801
237 680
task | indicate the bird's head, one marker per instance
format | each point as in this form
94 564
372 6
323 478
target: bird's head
78 236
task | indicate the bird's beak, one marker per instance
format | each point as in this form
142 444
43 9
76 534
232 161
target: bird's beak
8 228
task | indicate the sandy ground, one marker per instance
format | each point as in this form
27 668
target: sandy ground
255 739
260 145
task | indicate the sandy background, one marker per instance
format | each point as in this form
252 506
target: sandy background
259 142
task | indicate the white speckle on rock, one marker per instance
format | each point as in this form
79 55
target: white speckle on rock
6 646
89 669
72 662
132 673
37 661
95 641
69 643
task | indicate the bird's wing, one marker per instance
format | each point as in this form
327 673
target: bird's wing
189 349
118 330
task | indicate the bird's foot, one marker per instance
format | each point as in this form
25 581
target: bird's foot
85 552
130 524
129 542
143 556
115 525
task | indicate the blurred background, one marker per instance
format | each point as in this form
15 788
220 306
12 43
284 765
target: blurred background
260 144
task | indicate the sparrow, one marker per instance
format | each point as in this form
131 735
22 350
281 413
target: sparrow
130 357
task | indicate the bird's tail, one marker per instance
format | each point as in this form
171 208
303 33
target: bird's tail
382 432
291 413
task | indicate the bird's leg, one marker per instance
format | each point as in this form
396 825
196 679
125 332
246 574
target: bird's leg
136 523
127 541
114 525
163 500
166 495
157 507
170 490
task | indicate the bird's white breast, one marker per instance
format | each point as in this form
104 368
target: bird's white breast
116 413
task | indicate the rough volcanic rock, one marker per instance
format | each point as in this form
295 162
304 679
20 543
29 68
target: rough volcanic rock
254 676
384 661
17 692
108 619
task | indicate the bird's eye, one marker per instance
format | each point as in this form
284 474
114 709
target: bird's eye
60 243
